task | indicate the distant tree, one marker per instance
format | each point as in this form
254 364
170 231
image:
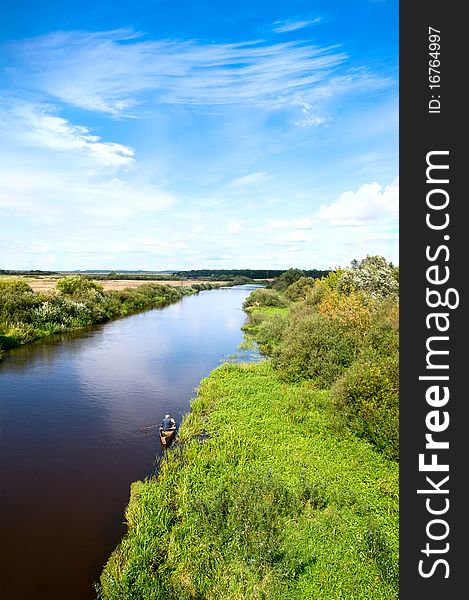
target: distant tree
287 278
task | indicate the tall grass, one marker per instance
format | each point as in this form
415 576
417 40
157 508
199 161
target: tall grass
278 501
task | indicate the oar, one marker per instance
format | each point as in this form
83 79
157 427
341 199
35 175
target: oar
150 427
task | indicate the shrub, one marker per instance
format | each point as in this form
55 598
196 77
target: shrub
314 346
77 285
265 297
373 275
322 286
350 311
21 333
300 289
270 331
15 287
367 394
382 336
17 300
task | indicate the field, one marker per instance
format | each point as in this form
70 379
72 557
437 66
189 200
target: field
48 283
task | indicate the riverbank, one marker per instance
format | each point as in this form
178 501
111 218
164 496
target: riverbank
268 496
285 481
75 302
46 283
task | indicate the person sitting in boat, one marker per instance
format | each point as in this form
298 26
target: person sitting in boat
167 423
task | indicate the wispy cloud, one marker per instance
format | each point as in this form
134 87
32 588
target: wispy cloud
79 197
294 25
309 119
300 223
111 71
250 179
38 126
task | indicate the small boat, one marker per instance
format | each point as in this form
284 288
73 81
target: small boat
167 433
167 436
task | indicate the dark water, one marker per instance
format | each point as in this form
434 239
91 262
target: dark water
71 412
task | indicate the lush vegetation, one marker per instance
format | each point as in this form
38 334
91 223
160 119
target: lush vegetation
341 332
266 496
284 482
76 302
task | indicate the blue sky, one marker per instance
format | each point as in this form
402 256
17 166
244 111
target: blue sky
174 135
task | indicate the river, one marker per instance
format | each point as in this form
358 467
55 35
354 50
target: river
72 411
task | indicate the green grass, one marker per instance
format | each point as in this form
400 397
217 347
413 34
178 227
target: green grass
276 499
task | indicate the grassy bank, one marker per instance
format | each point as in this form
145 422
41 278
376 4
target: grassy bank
279 501
285 480
75 302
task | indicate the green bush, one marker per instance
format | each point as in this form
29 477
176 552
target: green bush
315 347
16 287
382 336
77 285
17 300
21 333
367 395
265 297
300 289
270 331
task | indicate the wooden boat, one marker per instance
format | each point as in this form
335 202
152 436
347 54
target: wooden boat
167 436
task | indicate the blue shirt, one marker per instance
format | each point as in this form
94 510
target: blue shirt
167 424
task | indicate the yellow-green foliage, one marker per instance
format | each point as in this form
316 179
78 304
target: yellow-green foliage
338 337
347 311
316 347
267 497
368 392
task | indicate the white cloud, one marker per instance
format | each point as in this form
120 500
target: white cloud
249 179
300 223
235 226
111 71
370 203
79 198
309 119
37 126
298 236
291 25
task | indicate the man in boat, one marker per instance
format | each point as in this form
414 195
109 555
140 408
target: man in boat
167 423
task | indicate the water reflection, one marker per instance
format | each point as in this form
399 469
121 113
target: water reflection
71 410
